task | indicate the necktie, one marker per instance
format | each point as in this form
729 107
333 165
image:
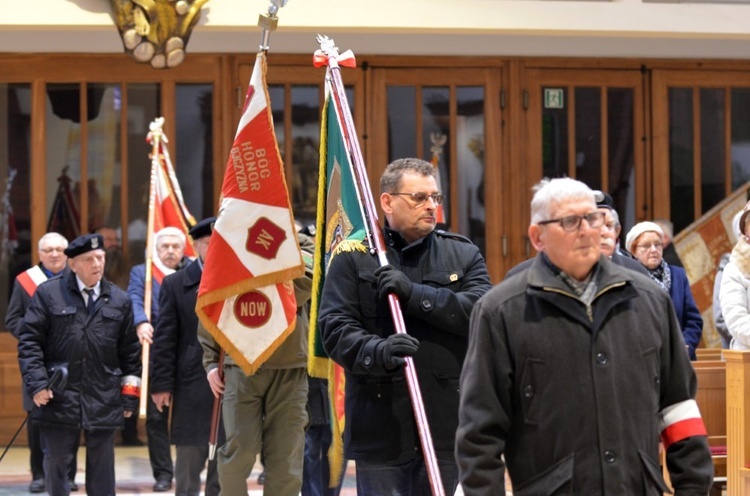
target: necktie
90 303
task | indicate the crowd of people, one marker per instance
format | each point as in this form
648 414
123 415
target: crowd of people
564 377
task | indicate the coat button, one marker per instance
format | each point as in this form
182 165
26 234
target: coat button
528 391
368 360
601 359
609 456
657 380
427 304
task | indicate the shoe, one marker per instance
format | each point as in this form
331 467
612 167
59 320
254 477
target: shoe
133 442
162 485
262 478
36 486
73 486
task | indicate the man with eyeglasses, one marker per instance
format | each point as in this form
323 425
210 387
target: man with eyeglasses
575 366
82 324
437 277
169 244
610 230
52 263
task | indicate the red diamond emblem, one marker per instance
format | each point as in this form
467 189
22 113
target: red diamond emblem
264 238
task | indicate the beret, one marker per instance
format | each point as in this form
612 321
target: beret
83 244
639 229
603 200
202 228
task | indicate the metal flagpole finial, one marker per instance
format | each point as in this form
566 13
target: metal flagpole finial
156 130
269 22
327 45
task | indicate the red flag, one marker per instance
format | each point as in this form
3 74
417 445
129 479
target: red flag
64 217
246 297
169 207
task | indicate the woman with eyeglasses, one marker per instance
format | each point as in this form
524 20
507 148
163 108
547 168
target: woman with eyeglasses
646 242
734 295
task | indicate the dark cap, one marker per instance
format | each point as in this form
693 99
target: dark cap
202 228
603 200
83 244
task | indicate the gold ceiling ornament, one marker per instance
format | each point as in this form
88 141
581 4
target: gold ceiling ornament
156 31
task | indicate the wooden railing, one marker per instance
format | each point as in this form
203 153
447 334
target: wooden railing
738 422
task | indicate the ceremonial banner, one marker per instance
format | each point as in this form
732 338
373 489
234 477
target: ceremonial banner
700 247
64 217
169 207
246 296
340 225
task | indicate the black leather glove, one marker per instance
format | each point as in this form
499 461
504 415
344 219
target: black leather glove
130 403
392 280
398 346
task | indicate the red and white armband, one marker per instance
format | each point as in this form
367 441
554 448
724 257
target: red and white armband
681 421
131 386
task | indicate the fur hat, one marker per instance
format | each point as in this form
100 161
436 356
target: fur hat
638 229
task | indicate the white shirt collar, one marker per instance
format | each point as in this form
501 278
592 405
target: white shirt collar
97 288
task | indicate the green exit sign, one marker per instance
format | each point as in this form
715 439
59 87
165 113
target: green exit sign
554 98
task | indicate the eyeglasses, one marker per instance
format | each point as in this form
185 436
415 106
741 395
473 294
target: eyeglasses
647 246
420 199
573 222
52 249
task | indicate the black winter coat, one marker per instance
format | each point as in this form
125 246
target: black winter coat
177 358
19 302
449 275
99 349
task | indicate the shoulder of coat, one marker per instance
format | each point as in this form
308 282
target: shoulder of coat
451 235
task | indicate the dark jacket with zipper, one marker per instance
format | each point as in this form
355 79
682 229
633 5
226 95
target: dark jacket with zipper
449 275
575 396
98 348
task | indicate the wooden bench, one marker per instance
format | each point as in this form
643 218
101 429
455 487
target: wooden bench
711 397
708 354
738 422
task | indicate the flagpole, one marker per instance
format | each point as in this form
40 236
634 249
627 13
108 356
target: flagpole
154 136
213 436
268 23
329 49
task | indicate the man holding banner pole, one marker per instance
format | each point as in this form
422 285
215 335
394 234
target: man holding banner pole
437 276
170 247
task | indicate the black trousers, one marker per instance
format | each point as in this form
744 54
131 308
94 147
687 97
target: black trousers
159 452
57 444
36 455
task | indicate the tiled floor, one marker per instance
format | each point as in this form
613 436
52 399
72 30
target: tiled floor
133 474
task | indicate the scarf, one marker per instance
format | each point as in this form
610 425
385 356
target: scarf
662 275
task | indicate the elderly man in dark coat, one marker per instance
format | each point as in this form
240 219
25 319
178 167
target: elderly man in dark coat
52 263
83 324
178 377
575 366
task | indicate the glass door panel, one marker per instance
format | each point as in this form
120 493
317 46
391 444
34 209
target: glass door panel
16 245
583 124
442 117
704 118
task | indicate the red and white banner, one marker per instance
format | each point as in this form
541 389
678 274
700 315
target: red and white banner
246 297
169 207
